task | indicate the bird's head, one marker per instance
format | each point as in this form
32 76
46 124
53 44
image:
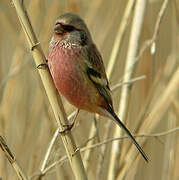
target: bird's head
71 28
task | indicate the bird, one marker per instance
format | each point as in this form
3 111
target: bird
78 70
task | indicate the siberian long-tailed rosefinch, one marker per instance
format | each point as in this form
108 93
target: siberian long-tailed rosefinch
78 71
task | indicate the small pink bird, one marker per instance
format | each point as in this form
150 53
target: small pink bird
78 70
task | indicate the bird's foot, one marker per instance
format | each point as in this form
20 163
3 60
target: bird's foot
76 151
67 129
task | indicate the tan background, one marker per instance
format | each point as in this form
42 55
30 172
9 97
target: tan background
26 120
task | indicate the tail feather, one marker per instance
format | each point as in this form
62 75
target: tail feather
119 122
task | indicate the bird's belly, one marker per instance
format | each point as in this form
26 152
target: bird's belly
70 80
70 85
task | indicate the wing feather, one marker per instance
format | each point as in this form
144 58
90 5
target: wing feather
96 71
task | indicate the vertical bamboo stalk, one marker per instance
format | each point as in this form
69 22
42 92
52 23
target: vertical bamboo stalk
54 98
128 73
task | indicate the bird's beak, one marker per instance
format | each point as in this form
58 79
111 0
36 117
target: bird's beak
58 28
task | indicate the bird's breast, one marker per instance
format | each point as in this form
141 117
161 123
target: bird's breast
69 78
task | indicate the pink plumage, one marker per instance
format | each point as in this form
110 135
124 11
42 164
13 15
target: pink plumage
70 80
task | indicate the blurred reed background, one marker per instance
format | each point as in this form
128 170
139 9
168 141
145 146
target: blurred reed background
26 119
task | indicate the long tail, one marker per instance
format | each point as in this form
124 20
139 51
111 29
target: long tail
119 122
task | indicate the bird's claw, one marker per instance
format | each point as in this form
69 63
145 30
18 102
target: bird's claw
76 151
67 127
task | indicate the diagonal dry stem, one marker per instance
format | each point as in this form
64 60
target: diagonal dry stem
21 175
54 98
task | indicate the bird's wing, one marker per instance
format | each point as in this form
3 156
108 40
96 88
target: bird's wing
96 71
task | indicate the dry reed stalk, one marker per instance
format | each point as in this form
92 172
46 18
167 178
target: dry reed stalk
51 144
55 101
86 157
128 73
7 109
45 28
25 106
65 158
11 82
8 25
174 167
153 118
164 133
110 67
93 130
42 169
170 64
117 46
107 134
87 154
103 151
88 147
115 87
158 86
152 42
11 158
49 149
176 107
93 11
120 36
171 144
53 9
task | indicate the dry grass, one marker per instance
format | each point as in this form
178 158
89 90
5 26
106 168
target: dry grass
27 122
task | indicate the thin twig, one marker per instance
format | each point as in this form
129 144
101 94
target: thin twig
21 175
152 41
126 137
119 37
64 158
49 150
116 86
103 151
52 143
93 132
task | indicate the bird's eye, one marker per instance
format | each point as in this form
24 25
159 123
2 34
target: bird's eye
68 28
57 23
